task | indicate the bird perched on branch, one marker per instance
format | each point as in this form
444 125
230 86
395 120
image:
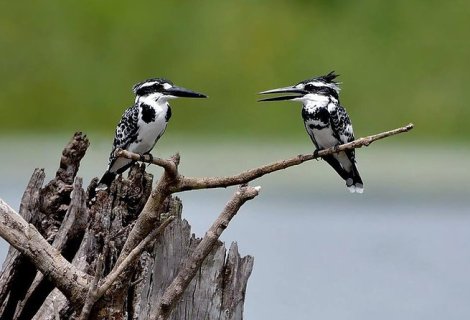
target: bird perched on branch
144 123
326 122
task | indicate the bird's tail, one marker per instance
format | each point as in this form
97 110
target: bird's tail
352 177
354 181
106 180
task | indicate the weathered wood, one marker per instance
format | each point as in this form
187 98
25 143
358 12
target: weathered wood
18 272
216 291
45 208
29 242
65 228
67 242
194 261
237 271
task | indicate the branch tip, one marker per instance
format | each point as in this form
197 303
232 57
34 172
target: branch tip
176 158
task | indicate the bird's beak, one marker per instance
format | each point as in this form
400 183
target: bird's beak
292 90
183 92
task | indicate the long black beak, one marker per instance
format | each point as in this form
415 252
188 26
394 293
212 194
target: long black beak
183 93
291 90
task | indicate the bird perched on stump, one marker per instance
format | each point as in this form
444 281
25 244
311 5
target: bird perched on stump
326 122
143 123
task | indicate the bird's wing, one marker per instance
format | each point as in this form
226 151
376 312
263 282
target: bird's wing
341 125
126 131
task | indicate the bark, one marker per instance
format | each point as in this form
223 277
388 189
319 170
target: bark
193 262
216 292
18 272
44 208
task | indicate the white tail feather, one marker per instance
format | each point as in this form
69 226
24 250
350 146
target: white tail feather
357 188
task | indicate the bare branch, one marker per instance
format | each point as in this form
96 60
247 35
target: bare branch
131 258
26 239
191 183
195 260
171 165
187 183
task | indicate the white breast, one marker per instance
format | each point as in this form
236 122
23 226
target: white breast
149 133
324 137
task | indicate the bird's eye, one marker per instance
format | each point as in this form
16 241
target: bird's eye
158 86
309 87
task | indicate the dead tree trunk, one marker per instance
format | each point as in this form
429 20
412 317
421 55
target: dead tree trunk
90 229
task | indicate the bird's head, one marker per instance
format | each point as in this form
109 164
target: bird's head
159 88
308 90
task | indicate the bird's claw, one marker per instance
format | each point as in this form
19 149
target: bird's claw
315 154
143 158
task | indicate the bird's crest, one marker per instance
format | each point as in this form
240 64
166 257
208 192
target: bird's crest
329 78
325 81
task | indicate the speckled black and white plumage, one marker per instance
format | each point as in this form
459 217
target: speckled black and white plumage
142 125
327 123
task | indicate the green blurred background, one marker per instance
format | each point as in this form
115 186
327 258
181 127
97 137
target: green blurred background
399 251
70 66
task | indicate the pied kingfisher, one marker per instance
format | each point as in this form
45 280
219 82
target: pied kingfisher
326 122
144 123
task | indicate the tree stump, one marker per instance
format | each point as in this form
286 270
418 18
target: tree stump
90 229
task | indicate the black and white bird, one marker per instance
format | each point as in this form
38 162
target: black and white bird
326 122
143 123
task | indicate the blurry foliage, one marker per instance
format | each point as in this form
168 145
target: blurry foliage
70 65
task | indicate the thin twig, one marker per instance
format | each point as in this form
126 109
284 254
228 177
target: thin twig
131 258
92 296
192 264
188 183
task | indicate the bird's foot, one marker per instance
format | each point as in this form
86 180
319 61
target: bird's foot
315 154
143 157
149 160
336 148
150 157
